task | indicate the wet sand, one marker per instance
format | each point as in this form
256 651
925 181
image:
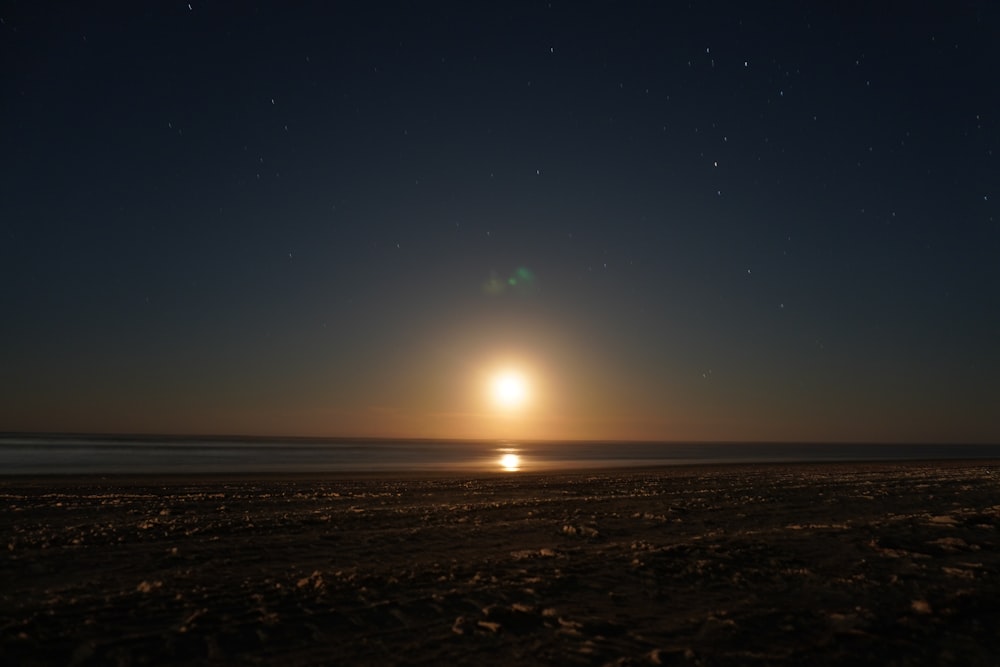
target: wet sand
826 564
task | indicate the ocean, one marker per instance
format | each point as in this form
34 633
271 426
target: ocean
34 455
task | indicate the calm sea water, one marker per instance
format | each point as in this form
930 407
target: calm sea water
83 455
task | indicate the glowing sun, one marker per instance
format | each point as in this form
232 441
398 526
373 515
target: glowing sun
509 389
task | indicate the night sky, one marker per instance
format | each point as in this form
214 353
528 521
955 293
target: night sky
679 221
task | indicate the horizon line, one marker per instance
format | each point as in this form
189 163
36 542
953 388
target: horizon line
368 438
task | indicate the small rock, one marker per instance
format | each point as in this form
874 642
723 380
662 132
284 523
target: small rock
463 625
489 625
148 586
943 520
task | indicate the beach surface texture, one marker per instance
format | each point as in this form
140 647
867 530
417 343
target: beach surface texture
781 564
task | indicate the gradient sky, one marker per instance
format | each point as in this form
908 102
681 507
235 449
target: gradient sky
703 222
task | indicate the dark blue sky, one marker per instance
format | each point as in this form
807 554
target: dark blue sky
736 223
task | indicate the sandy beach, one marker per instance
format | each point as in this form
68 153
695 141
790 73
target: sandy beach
822 564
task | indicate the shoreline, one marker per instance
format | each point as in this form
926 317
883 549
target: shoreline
428 458
470 472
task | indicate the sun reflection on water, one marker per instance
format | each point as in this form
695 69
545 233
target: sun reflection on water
510 460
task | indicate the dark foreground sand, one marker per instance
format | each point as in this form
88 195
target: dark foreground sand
887 564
